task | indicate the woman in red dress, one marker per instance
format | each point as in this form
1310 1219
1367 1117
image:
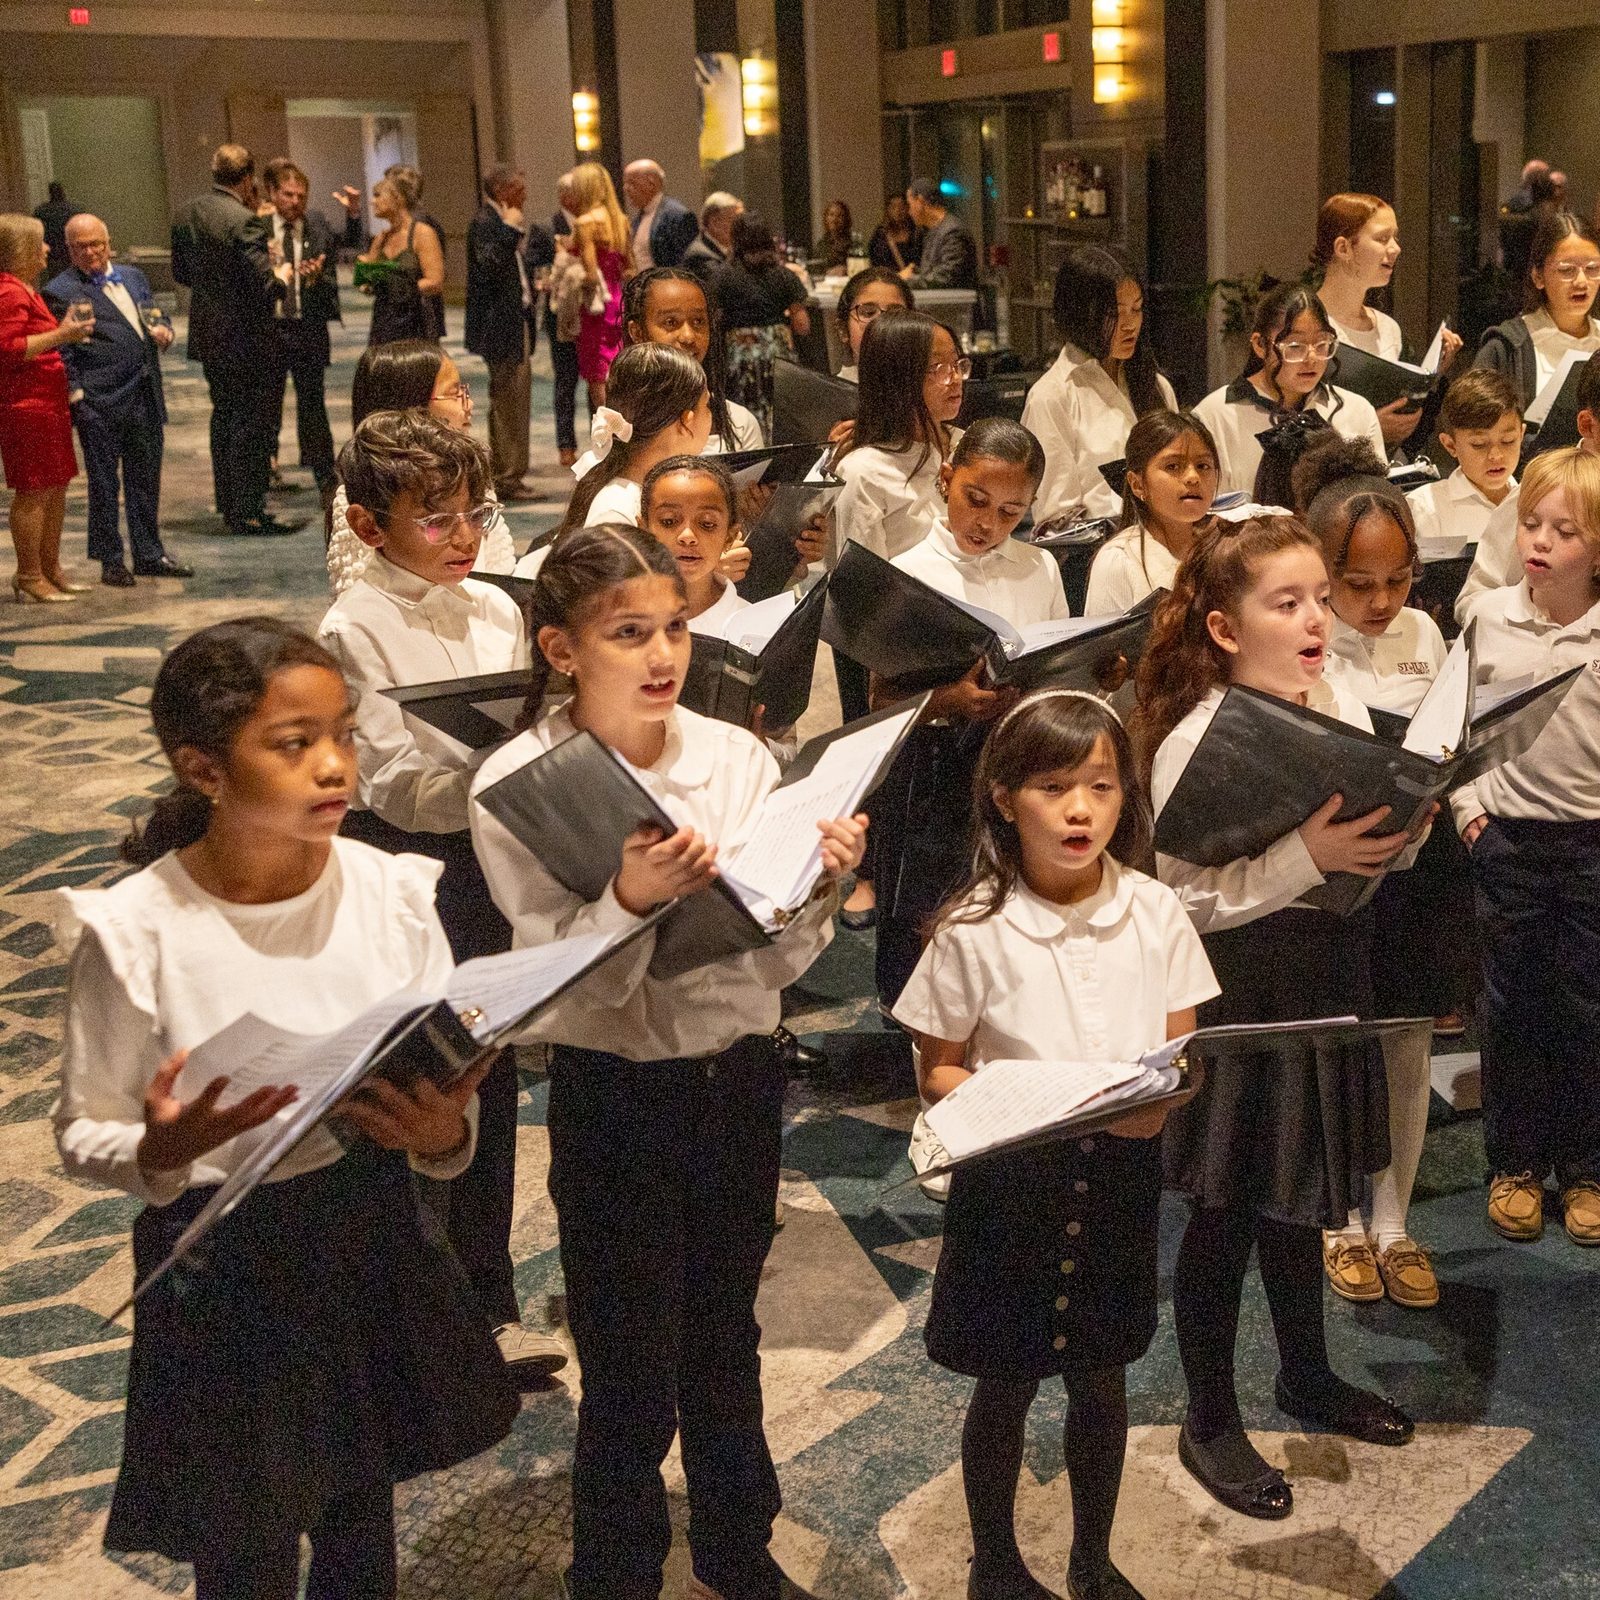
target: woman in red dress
35 424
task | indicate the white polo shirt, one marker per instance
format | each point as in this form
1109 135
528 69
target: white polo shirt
1394 670
1452 513
1018 581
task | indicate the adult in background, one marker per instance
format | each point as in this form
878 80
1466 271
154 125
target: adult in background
660 227
714 243
949 258
415 259
35 426
896 242
220 250
433 301
602 242
117 402
1519 216
55 213
305 241
833 247
761 304
500 325
563 352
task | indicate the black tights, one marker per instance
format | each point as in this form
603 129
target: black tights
1207 1287
352 1557
1095 1441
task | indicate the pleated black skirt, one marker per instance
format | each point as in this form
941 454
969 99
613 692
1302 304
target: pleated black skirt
1292 1133
324 1338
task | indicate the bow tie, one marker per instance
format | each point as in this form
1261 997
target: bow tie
1292 431
101 279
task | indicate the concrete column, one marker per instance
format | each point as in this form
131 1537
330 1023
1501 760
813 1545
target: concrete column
845 109
532 122
658 99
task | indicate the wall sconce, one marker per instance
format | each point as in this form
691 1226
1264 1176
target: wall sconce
586 120
1106 13
758 86
1108 43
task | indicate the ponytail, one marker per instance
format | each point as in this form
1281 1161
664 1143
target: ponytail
180 818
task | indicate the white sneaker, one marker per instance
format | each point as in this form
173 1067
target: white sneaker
527 1351
926 1151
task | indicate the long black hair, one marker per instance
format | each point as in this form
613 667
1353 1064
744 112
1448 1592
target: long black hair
752 244
635 305
1276 312
395 377
1085 306
206 690
1154 432
891 413
652 385
1047 732
583 566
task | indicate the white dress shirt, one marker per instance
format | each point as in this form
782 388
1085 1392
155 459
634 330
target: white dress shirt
159 965
1235 418
1558 778
1038 981
1497 564
621 500
117 293
711 777
1551 346
1452 513
1255 886
729 603
890 500
1382 339
1017 581
290 238
348 558
1082 419
393 628
1128 567
642 259
1393 671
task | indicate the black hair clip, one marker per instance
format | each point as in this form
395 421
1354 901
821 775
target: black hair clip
1116 474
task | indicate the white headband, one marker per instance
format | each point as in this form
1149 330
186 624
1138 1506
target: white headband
1055 694
606 427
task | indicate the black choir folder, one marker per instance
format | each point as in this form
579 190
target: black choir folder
906 631
782 463
764 655
792 509
476 712
1264 765
404 1038
1016 1105
1553 416
575 805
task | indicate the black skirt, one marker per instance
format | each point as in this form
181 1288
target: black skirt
1049 1260
324 1338
1291 1134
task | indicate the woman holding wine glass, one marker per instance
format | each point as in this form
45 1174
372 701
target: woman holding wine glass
35 424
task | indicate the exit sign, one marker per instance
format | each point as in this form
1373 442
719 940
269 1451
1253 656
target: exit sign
78 16
947 63
1052 47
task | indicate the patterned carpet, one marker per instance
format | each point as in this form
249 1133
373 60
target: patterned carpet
1495 1498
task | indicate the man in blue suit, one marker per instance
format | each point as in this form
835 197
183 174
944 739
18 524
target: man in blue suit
662 228
118 405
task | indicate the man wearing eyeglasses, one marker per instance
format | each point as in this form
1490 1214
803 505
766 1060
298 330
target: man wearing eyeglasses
949 252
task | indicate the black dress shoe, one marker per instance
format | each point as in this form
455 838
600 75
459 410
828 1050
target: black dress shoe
1110 1585
284 524
166 567
1266 1494
1356 1413
259 528
800 1059
115 575
1024 1586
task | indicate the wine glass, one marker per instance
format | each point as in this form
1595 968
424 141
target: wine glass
81 311
153 317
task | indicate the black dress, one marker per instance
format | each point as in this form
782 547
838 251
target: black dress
325 1339
1049 1260
398 308
1290 1134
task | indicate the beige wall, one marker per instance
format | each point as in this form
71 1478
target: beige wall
660 104
844 110
532 123
1563 94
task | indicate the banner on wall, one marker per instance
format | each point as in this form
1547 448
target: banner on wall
721 106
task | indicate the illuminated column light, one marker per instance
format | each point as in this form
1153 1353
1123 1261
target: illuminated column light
758 85
586 120
1108 44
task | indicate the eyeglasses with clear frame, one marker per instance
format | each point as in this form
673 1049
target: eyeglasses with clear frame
439 525
944 371
1299 349
1568 271
461 392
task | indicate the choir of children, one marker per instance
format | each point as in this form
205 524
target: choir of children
1012 846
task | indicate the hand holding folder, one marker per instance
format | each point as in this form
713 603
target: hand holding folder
764 656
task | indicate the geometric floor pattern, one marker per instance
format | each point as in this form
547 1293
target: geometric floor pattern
1496 1497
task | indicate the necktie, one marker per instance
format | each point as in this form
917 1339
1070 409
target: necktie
292 229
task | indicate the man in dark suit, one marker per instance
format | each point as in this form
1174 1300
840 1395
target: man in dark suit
710 250
949 252
500 319
56 212
662 228
310 301
118 405
220 251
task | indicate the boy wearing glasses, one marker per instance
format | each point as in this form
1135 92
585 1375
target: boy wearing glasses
419 497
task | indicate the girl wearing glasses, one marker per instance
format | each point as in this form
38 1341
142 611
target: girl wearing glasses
871 291
1282 398
396 377
420 501
1558 307
1104 380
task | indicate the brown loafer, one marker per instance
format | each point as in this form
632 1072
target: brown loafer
1516 1206
1352 1268
1408 1276
1581 1207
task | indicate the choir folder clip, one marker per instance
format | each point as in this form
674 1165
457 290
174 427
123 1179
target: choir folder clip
1264 765
576 804
404 1038
1017 1105
764 655
909 633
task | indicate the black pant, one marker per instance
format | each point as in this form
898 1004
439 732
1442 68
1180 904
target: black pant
126 447
664 1176
1538 899
352 1557
241 446
564 364
300 350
